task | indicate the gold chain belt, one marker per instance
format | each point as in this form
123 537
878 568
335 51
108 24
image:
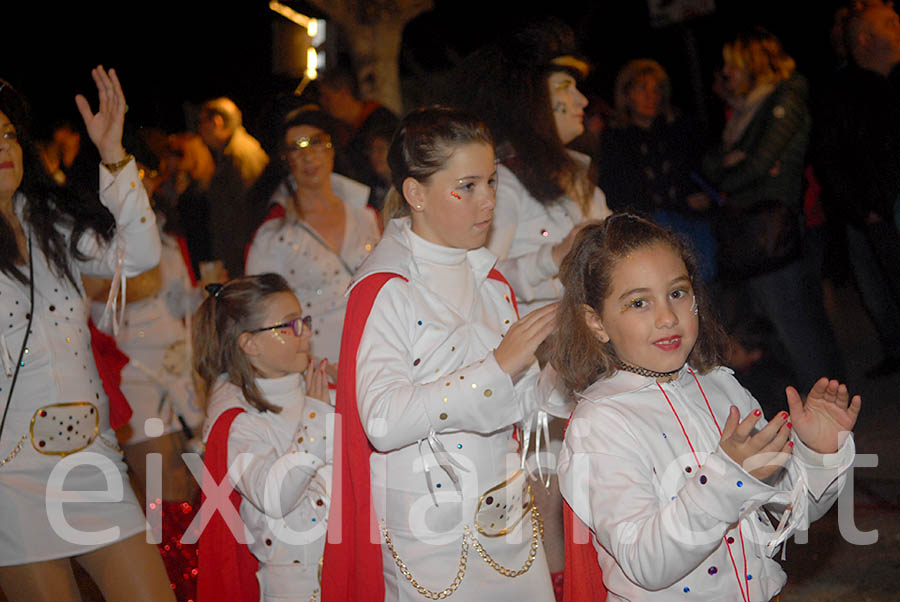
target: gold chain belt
537 534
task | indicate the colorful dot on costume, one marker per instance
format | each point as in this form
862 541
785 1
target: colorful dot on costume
712 570
419 322
749 577
687 590
459 446
730 540
417 362
703 479
489 500
740 483
665 436
687 469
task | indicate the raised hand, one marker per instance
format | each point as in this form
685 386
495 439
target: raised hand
762 453
105 127
516 351
317 380
825 420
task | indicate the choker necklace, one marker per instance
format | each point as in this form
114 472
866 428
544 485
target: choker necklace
645 372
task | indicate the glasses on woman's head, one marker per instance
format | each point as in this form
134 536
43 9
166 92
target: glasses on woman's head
317 143
296 325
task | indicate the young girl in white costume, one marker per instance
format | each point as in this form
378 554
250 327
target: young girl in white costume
435 374
667 459
251 345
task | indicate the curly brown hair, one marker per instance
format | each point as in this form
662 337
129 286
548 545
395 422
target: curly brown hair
586 272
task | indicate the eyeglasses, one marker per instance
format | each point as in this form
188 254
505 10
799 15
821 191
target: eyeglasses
297 325
317 143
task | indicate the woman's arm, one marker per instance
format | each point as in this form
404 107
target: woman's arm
137 240
395 410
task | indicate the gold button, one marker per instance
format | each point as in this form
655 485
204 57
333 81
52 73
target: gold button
488 392
300 440
143 219
443 416
446 399
474 386
462 377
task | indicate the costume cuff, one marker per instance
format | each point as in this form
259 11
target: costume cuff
823 469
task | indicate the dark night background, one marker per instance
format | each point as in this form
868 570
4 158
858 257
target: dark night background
168 53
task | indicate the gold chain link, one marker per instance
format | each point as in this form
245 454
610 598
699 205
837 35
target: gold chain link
15 451
537 533
113 446
537 536
429 594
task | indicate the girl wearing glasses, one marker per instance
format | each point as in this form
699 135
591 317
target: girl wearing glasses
267 438
319 229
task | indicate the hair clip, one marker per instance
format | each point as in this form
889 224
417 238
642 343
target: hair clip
214 289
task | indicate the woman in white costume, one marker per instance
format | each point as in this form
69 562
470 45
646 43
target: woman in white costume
56 414
320 229
437 374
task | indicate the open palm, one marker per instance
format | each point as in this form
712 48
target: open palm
827 416
105 127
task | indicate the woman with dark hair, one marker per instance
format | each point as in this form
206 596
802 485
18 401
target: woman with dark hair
527 92
319 229
56 421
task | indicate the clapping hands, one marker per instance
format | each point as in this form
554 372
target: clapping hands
826 418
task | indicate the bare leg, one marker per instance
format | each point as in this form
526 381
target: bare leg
50 580
130 570
177 483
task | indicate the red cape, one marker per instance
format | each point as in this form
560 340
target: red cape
352 570
110 360
227 569
583 580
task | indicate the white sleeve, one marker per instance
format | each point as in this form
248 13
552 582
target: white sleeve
273 482
396 411
263 257
527 271
124 196
614 488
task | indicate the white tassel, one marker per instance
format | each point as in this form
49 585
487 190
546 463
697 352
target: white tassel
7 358
109 321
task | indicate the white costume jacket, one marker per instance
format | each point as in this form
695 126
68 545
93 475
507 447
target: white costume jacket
318 276
157 381
280 463
524 234
663 526
58 368
441 414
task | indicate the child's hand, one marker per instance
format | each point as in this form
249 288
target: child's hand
516 351
826 414
760 454
317 380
